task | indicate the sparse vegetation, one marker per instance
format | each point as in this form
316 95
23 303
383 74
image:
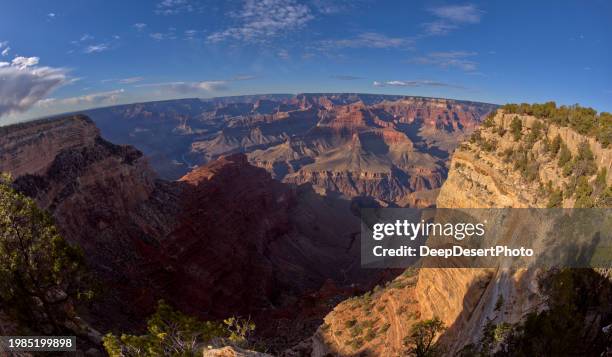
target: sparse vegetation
370 334
534 134
565 155
583 193
605 198
420 341
169 332
555 145
41 275
350 323
484 144
555 199
584 163
585 121
568 327
356 343
516 127
489 122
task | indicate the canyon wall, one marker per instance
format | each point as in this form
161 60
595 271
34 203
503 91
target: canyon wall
482 174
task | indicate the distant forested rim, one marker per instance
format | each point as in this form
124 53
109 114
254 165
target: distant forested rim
586 121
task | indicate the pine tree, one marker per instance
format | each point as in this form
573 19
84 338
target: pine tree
40 273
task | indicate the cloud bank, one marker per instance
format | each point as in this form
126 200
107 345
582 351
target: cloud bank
189 87
23 84
109 97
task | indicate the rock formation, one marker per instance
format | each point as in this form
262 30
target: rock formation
229 238
483 174
391 148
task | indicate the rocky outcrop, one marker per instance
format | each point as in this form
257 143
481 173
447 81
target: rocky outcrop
374 324
468 299
30 147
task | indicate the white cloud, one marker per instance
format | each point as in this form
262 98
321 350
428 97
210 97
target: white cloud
369 40
23 84
173 7
439 27
412 83
109 97
128 80
51 15
190 34
100 47
260 20
86 37
139 26
189 87
450 17
6 49
169 35
25 62
199 86
456 59
468 14
329 7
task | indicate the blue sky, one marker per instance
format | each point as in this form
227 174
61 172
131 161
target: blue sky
58 56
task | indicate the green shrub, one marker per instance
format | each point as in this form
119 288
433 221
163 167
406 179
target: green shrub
535 133
583 193
41 274
420 341
585 160
585 121
516 127
566 327
565 155
350 323
370 335
555 199
488 122
555 145
356 343
356 330
605 198
601 179
169 332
